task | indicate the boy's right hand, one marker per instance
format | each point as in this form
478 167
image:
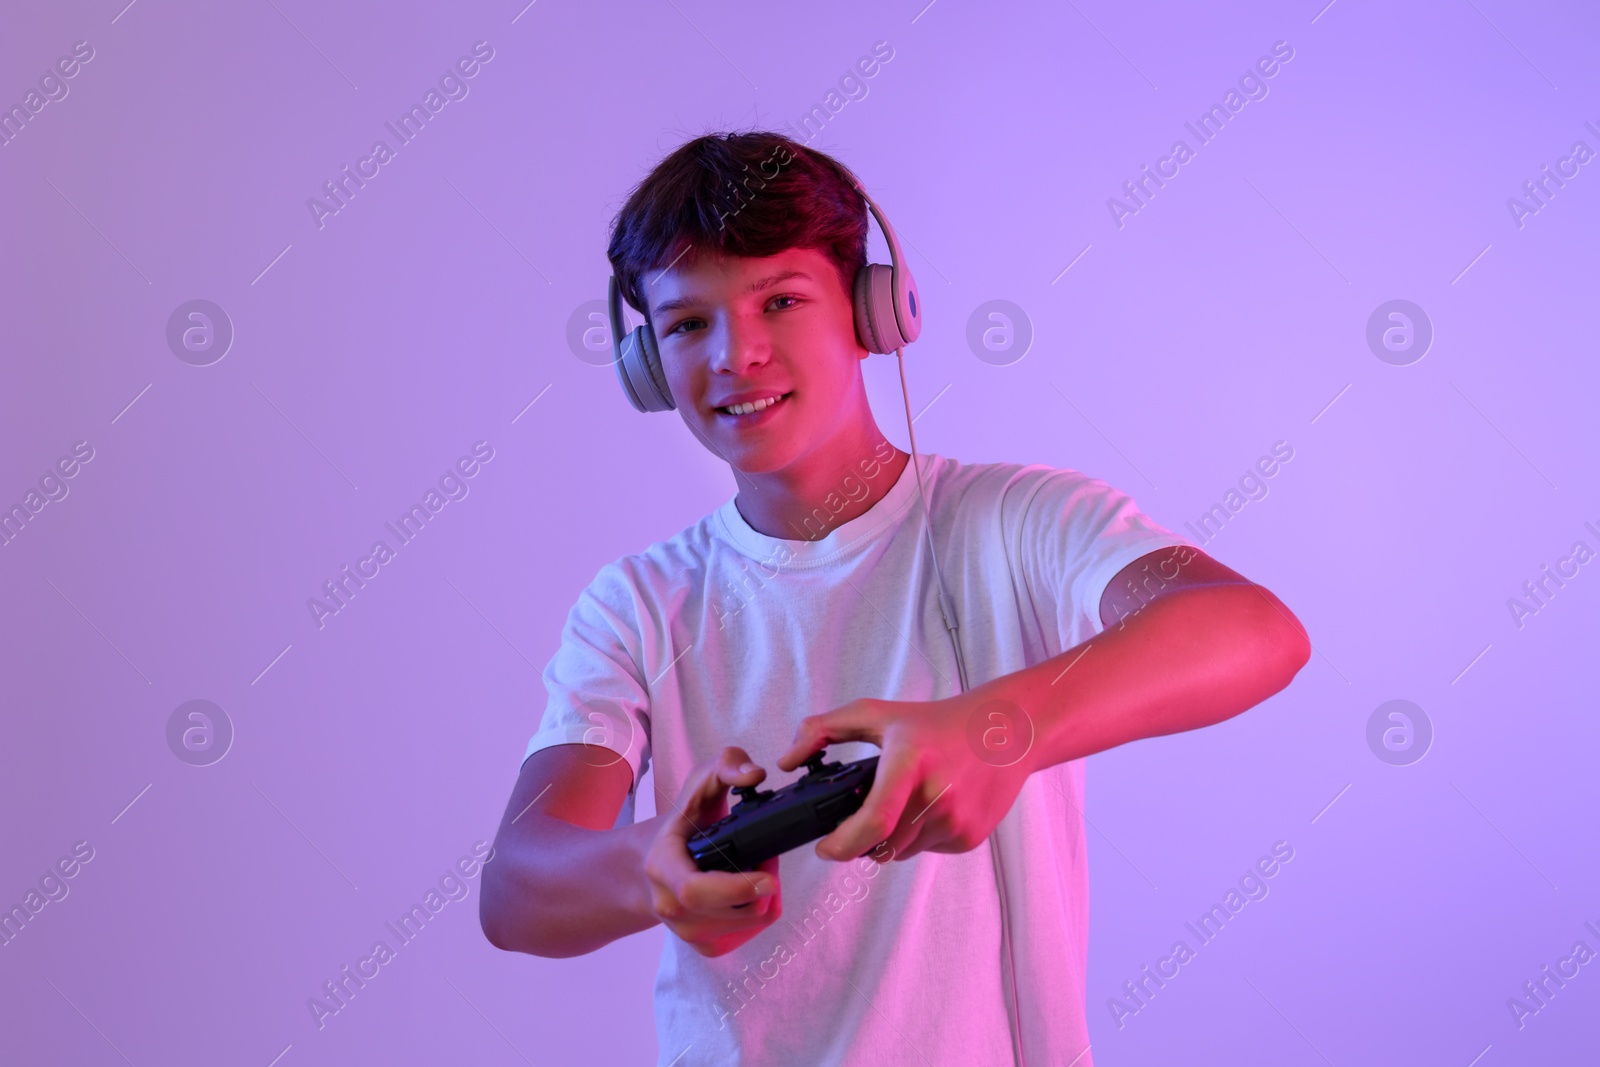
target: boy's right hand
701 907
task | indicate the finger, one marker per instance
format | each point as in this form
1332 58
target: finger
925 828
731 763
734 766
880 854
775 900
696 901
714 943
908 835
897 777
752 915
737 917
701 801
714 891
859 720
911 837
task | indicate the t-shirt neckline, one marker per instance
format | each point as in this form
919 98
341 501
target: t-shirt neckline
887 511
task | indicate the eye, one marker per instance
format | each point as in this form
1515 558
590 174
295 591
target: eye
786 296
681 324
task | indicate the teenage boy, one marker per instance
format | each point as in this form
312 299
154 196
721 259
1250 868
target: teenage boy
946 921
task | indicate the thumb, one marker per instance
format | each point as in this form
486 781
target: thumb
880 813
859 720
702 801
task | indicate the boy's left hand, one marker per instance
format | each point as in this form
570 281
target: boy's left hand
949 771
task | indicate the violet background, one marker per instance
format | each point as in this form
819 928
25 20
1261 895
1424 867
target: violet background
427 314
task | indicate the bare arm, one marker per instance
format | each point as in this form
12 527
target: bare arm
1187 643
563 882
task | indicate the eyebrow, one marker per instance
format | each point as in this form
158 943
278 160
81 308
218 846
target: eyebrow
755 287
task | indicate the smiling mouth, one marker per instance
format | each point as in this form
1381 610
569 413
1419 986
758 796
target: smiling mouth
753 406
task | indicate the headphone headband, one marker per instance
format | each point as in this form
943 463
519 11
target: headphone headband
906 307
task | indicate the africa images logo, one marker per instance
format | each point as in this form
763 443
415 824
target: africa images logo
453 486
52 87
452 87
1211 122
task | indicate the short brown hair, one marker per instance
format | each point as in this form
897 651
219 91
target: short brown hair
749 194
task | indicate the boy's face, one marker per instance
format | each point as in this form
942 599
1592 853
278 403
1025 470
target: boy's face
734 330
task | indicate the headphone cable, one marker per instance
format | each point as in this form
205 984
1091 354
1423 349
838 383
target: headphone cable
947 606
947 609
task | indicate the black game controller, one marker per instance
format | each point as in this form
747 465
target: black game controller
767 823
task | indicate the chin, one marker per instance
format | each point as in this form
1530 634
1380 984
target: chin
758 459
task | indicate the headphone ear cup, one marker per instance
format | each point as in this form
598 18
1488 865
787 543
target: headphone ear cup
652 363
637 360
639 371
873 297
624 371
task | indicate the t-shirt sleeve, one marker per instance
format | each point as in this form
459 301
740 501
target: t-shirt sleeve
1075 533
595 691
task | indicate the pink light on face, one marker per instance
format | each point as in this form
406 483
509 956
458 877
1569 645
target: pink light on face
780 325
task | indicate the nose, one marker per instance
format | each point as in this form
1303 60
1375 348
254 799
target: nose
740 344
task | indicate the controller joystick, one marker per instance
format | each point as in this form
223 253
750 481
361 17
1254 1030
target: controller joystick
764 824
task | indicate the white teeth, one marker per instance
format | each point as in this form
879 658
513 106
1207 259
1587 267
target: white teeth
752 406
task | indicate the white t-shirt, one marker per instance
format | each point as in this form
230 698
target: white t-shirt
725 636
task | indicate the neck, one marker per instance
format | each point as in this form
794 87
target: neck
807 501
